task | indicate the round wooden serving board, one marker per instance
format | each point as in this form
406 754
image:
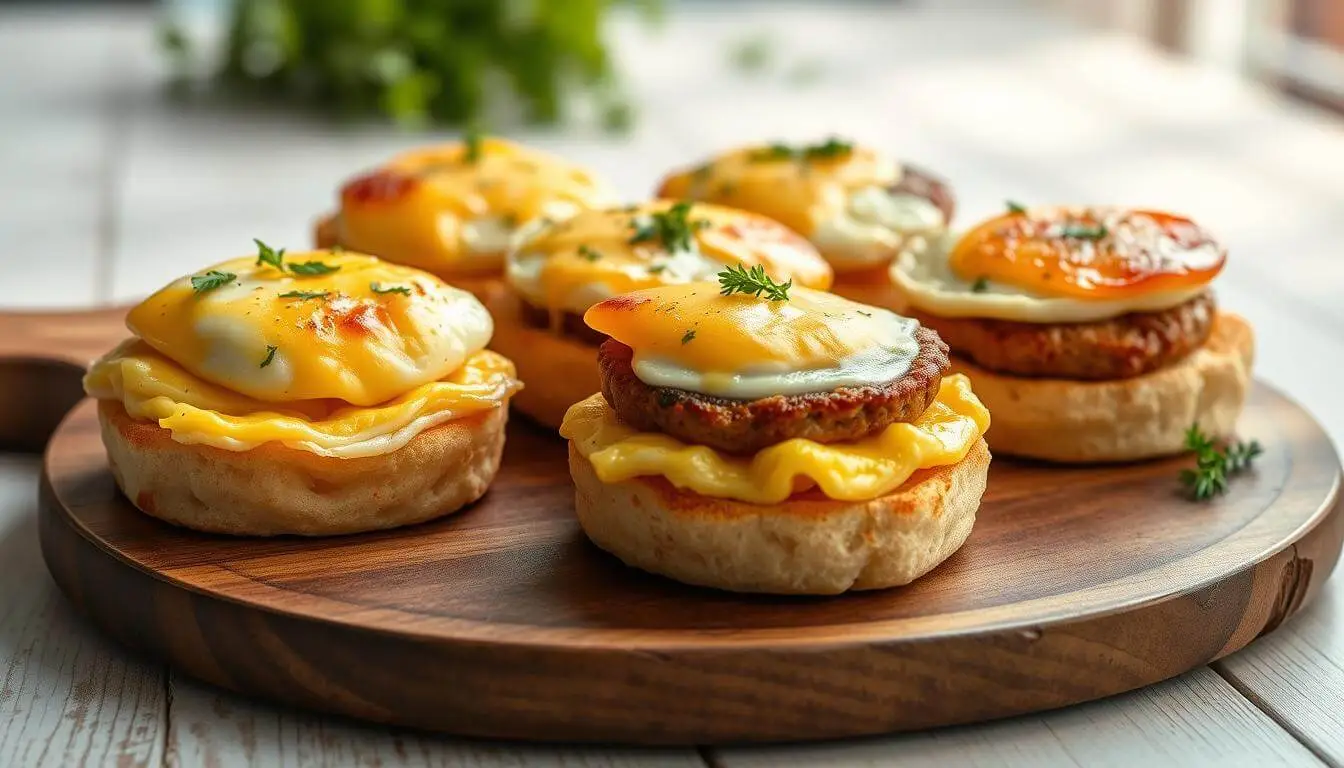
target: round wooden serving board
504 621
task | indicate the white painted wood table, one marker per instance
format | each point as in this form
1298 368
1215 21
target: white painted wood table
107 191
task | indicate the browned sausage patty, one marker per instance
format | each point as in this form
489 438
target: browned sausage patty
920 183
1120 348
746 426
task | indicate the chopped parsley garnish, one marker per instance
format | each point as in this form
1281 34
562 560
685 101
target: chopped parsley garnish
211 280
380 288
270 355
865 314
310 268
688 336
1016 207
1083 231
471 152
830 148
657 268
980 285
268 255
305 295
673 227
589 253
1212 466
738 279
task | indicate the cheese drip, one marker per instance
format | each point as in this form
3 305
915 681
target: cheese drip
153 388
851 471
572 264
743 347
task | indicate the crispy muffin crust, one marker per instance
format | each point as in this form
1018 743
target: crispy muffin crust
1120 348
746 426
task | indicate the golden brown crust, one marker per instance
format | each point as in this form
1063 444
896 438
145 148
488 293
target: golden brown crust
1125 419
810 544
1118 348
557 370
326 234
272 490
747 426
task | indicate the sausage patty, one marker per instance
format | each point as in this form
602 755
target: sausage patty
1119 348
746 426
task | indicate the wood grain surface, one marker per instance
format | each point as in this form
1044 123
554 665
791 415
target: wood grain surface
504 621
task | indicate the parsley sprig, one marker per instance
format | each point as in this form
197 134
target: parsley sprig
830 148
738 279
1014 207
1083 231
471 145
211 280
305 295
1213 467
379 288
270 355
276 258
673 227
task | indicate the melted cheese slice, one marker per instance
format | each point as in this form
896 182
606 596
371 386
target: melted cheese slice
348 342
847 205
743 347
852 471
154 388
1089 253
433 208
572 264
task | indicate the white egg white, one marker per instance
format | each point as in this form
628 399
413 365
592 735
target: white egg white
873 225
881 364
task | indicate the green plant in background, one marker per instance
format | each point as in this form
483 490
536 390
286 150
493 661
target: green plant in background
420 61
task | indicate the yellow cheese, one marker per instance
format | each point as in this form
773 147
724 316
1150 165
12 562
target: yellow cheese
364 333
798 193
154 388
433 208
571 264
851 471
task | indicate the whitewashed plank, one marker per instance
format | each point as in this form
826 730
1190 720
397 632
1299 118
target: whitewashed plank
67 696
216 728
1194 720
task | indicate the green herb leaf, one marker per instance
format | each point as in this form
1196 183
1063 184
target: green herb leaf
1083 231
980 285
673 227
310 268
1016 207
686 338
738 279
830 148
381 289
589 253
1212 466
268 255
270 355
305 295
211 280
657 268
472 145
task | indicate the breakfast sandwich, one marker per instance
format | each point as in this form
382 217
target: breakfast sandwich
859 207
452 209
756 436
560 268
313 393
1090 332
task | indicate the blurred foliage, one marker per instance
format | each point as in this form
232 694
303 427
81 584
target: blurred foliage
421 61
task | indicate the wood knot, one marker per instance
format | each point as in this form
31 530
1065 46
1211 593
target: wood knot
1293 583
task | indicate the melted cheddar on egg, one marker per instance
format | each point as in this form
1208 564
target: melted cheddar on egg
850 471
453 208
859 206
1089 253
571 264
325 325
740 346
152 387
